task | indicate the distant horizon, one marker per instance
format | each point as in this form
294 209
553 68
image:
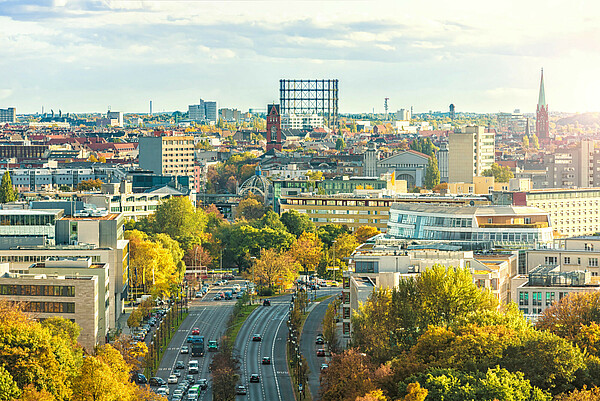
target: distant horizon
79 55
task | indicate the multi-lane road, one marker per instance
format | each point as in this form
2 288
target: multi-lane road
210 317
268 322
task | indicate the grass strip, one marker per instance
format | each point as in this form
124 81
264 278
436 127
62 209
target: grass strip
236 323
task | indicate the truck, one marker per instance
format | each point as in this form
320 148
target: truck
228 295
213 346
197 346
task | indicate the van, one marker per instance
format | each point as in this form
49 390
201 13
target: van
193 367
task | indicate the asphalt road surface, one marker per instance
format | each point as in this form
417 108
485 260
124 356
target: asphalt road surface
211 318
313 326
270 323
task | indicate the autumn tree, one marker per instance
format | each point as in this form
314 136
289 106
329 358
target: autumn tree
363 233
89 185
584 394
348 376
500 173
432 174
250 209
179 219
7 192
273 264
132 351
330 326
224 375
343 247
375 395
8 387
329 232
297 223
307 250
525 142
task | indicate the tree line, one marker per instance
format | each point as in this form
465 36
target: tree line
438 337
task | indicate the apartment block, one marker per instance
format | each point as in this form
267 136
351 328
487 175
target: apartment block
167 155
573 167
8 115
470 152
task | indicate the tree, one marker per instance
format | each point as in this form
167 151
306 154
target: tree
297 223
272 265
584 394
92 159
178 218
375 395
8 387
525 142
348 376
536 142
329 232
330 326
89 185
307 250
102 159
414 392
500 173
250 209
132 351
363 233
340 144
135 318
343 247
7 192
432 174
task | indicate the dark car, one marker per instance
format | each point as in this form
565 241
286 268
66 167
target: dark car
320 352
266 302
254 378
157 381
190 379
320 340
179 365
203 383
266 360
241 390
139 378
256 337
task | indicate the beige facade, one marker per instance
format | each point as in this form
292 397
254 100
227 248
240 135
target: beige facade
470 152
479 186
578 253
72 297
168 155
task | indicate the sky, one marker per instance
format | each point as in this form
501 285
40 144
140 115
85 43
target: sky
483 56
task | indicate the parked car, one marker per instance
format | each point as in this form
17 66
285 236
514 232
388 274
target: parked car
139 378
254 378
199 294
324 366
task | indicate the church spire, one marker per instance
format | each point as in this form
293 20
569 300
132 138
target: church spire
542 97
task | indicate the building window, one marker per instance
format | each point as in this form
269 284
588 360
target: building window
567 260
593 262
523 298
549 298
550 260
346 313
588 247
366 266
537 298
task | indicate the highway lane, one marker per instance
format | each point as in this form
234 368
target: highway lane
211 318
270 323
313 326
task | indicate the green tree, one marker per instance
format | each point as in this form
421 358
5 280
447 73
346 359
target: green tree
250 209
297 223
330 326
178 218
500 173
340 144
7 192
329 232
432 174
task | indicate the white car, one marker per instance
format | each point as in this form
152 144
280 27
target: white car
172 379
163 389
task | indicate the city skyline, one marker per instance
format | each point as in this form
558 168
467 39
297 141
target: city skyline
83 56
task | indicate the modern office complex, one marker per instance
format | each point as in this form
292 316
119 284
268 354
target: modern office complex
203 111
470 152
574 212
167 155
499 225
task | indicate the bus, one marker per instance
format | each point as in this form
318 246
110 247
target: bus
198 346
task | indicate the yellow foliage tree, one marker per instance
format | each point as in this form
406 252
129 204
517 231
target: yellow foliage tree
307 250
363 233
271 265
415 392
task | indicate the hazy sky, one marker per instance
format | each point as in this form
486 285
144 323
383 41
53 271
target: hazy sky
483 56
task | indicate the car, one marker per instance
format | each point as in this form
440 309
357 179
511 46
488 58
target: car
189 338
190 379
192 397
199 294
196 331
254 378
203 383
172 379
162 391
164 388
320 340
324 366
176 373
139 378
266 302
320 352
217 298
266 360
179 365
213 346
241 390
157 381
178 392
185 349
256 337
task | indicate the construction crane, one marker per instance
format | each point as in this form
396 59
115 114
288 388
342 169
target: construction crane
385 105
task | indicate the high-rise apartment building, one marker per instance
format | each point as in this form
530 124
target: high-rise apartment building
471 151
575 167
210 111
115 118
8 115
168 155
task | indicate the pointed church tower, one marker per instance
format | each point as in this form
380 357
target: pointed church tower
541 120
